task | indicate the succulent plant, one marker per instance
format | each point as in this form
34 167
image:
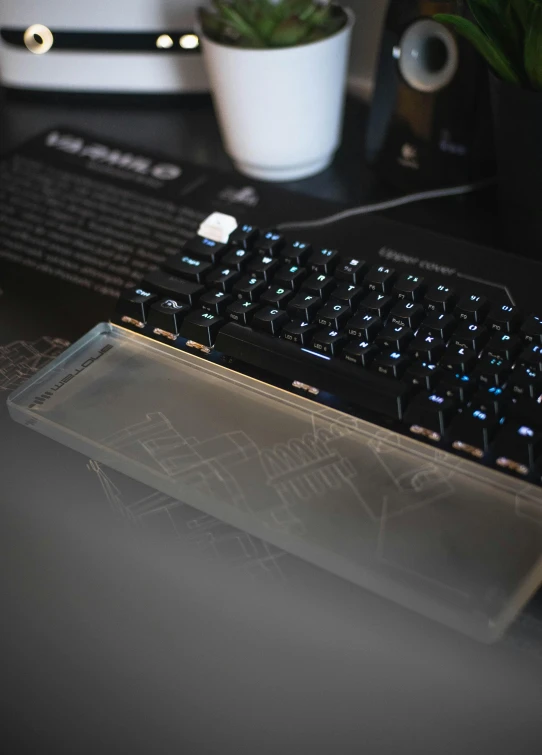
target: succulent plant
264 23
508 33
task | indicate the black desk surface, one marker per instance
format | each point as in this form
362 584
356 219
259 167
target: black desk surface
116 644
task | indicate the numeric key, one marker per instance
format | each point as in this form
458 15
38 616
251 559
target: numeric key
324 261
244 236
472 308
296 253
271 243
409 287
440 298
503 319
352 270
380 279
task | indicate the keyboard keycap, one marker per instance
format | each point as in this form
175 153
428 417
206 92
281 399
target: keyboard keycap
377 304
206 249
173 287
458 387
472 308
277 296
492 401
360 352
503 346
427 347
392 364
491 371
439 324
299 332
249 288
503 319
532 329
409 287
242 312
407 313
270 319
360 387
351 271
168 315
333 315
531 357
526 381
244 236
296 253
324 261
187 267
472 432
458 359
215 301
320 285
380 279
440 298
518 447
201 327
304 307
262 267
432 411
347 293
470 336
135 303
237 259
270 243
223 278
423 375
394 337
364 326
329 342
290 276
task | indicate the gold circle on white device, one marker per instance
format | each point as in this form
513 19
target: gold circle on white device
38 39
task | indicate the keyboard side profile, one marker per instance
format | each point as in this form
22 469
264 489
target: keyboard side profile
407 343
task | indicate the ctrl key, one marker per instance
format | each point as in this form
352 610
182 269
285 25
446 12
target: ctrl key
518 448
133 305
429 414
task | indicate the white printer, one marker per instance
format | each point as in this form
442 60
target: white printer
101 46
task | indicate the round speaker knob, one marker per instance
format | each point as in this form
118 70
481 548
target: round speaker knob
427 56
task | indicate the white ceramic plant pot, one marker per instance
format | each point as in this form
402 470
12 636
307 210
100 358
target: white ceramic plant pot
280 110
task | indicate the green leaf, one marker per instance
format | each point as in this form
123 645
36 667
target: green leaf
289 32
239 23
493 55
493 18
533 48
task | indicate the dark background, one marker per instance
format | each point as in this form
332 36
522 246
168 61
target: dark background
128 639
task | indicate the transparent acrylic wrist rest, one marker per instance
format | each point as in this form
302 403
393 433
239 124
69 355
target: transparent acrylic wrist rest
450 539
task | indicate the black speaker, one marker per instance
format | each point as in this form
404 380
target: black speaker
430 122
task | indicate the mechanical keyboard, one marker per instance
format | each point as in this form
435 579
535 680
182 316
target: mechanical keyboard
447 362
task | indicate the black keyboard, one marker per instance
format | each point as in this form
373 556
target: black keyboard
433 356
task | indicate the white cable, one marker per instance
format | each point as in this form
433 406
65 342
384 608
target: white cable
388 204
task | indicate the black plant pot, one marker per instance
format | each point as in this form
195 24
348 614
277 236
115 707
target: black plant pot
517 116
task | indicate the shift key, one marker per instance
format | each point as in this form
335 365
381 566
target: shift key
169 285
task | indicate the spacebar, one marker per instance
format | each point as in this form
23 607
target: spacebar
352 383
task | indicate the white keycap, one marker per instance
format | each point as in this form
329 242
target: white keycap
217 227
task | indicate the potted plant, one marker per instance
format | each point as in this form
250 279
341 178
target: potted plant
508 33
278 76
